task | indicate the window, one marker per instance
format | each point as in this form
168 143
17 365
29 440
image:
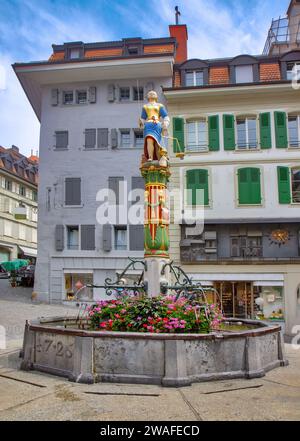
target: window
246 133
197 187
72 279
138 138
8 185
294 130
73 191
68 97
194 78
22 191
244 74
73 237
125 138
249 186
246 246
90 138
81 96
74 53
7 228
22 232
133 50
138 94
120 238
124 93
34 195
295 175
293 71
197 136
62 139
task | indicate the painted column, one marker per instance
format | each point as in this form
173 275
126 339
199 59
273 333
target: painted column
156 224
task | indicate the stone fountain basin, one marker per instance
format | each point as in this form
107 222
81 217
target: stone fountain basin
86 356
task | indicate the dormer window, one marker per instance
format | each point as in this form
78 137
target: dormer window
244 74
194 78
293 71
74 53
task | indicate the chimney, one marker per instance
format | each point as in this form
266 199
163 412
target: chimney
179 31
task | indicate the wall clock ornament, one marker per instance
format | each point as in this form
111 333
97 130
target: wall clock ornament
279 237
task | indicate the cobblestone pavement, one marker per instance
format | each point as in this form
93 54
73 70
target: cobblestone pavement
37 396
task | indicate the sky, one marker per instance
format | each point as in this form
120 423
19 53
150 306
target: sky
28 28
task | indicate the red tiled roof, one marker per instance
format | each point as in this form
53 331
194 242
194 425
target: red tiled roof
16 157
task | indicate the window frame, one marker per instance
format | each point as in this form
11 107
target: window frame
291 115
194 72
64 93
138 132
186 134
120 228
77 92
122 99
55 135
291 183
137 90
122 132
243 66
67 238
247 117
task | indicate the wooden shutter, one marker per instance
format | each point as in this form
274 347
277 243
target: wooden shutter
213 133
178 135
284 185
249 186
136 237
265 130
229 134
114 138
255 186
92 94
107 237
62 139
54 97
114 185
90 138
111 93
102 138
87 237
197 180
137 182
281 130
73 191
59 237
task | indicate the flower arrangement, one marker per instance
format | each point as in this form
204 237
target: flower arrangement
163 314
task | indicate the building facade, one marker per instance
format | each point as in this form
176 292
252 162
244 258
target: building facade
18 204
89 98
236 129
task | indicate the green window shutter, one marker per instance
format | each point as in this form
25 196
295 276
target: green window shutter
213 133
255 187
265 130
228 130
178 134
197 180
249 186
284 185
281 130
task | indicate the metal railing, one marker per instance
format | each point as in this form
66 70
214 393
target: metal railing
282 31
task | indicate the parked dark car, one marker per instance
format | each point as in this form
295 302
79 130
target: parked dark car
3 273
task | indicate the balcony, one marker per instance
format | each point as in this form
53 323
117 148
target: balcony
283 35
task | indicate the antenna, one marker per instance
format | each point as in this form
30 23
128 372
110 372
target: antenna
177 13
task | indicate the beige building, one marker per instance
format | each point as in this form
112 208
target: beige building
18 204
236 154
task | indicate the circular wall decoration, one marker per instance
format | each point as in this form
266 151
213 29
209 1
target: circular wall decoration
279 237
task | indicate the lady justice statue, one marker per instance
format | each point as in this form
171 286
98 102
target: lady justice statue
155 121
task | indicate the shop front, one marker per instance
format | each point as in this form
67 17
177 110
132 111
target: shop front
254 297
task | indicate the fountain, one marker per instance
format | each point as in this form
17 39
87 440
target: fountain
68 347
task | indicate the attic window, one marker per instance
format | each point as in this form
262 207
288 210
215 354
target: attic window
244 74
74 53
133 50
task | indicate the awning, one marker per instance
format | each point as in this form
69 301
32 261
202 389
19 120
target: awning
268 283
238 277
31 252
